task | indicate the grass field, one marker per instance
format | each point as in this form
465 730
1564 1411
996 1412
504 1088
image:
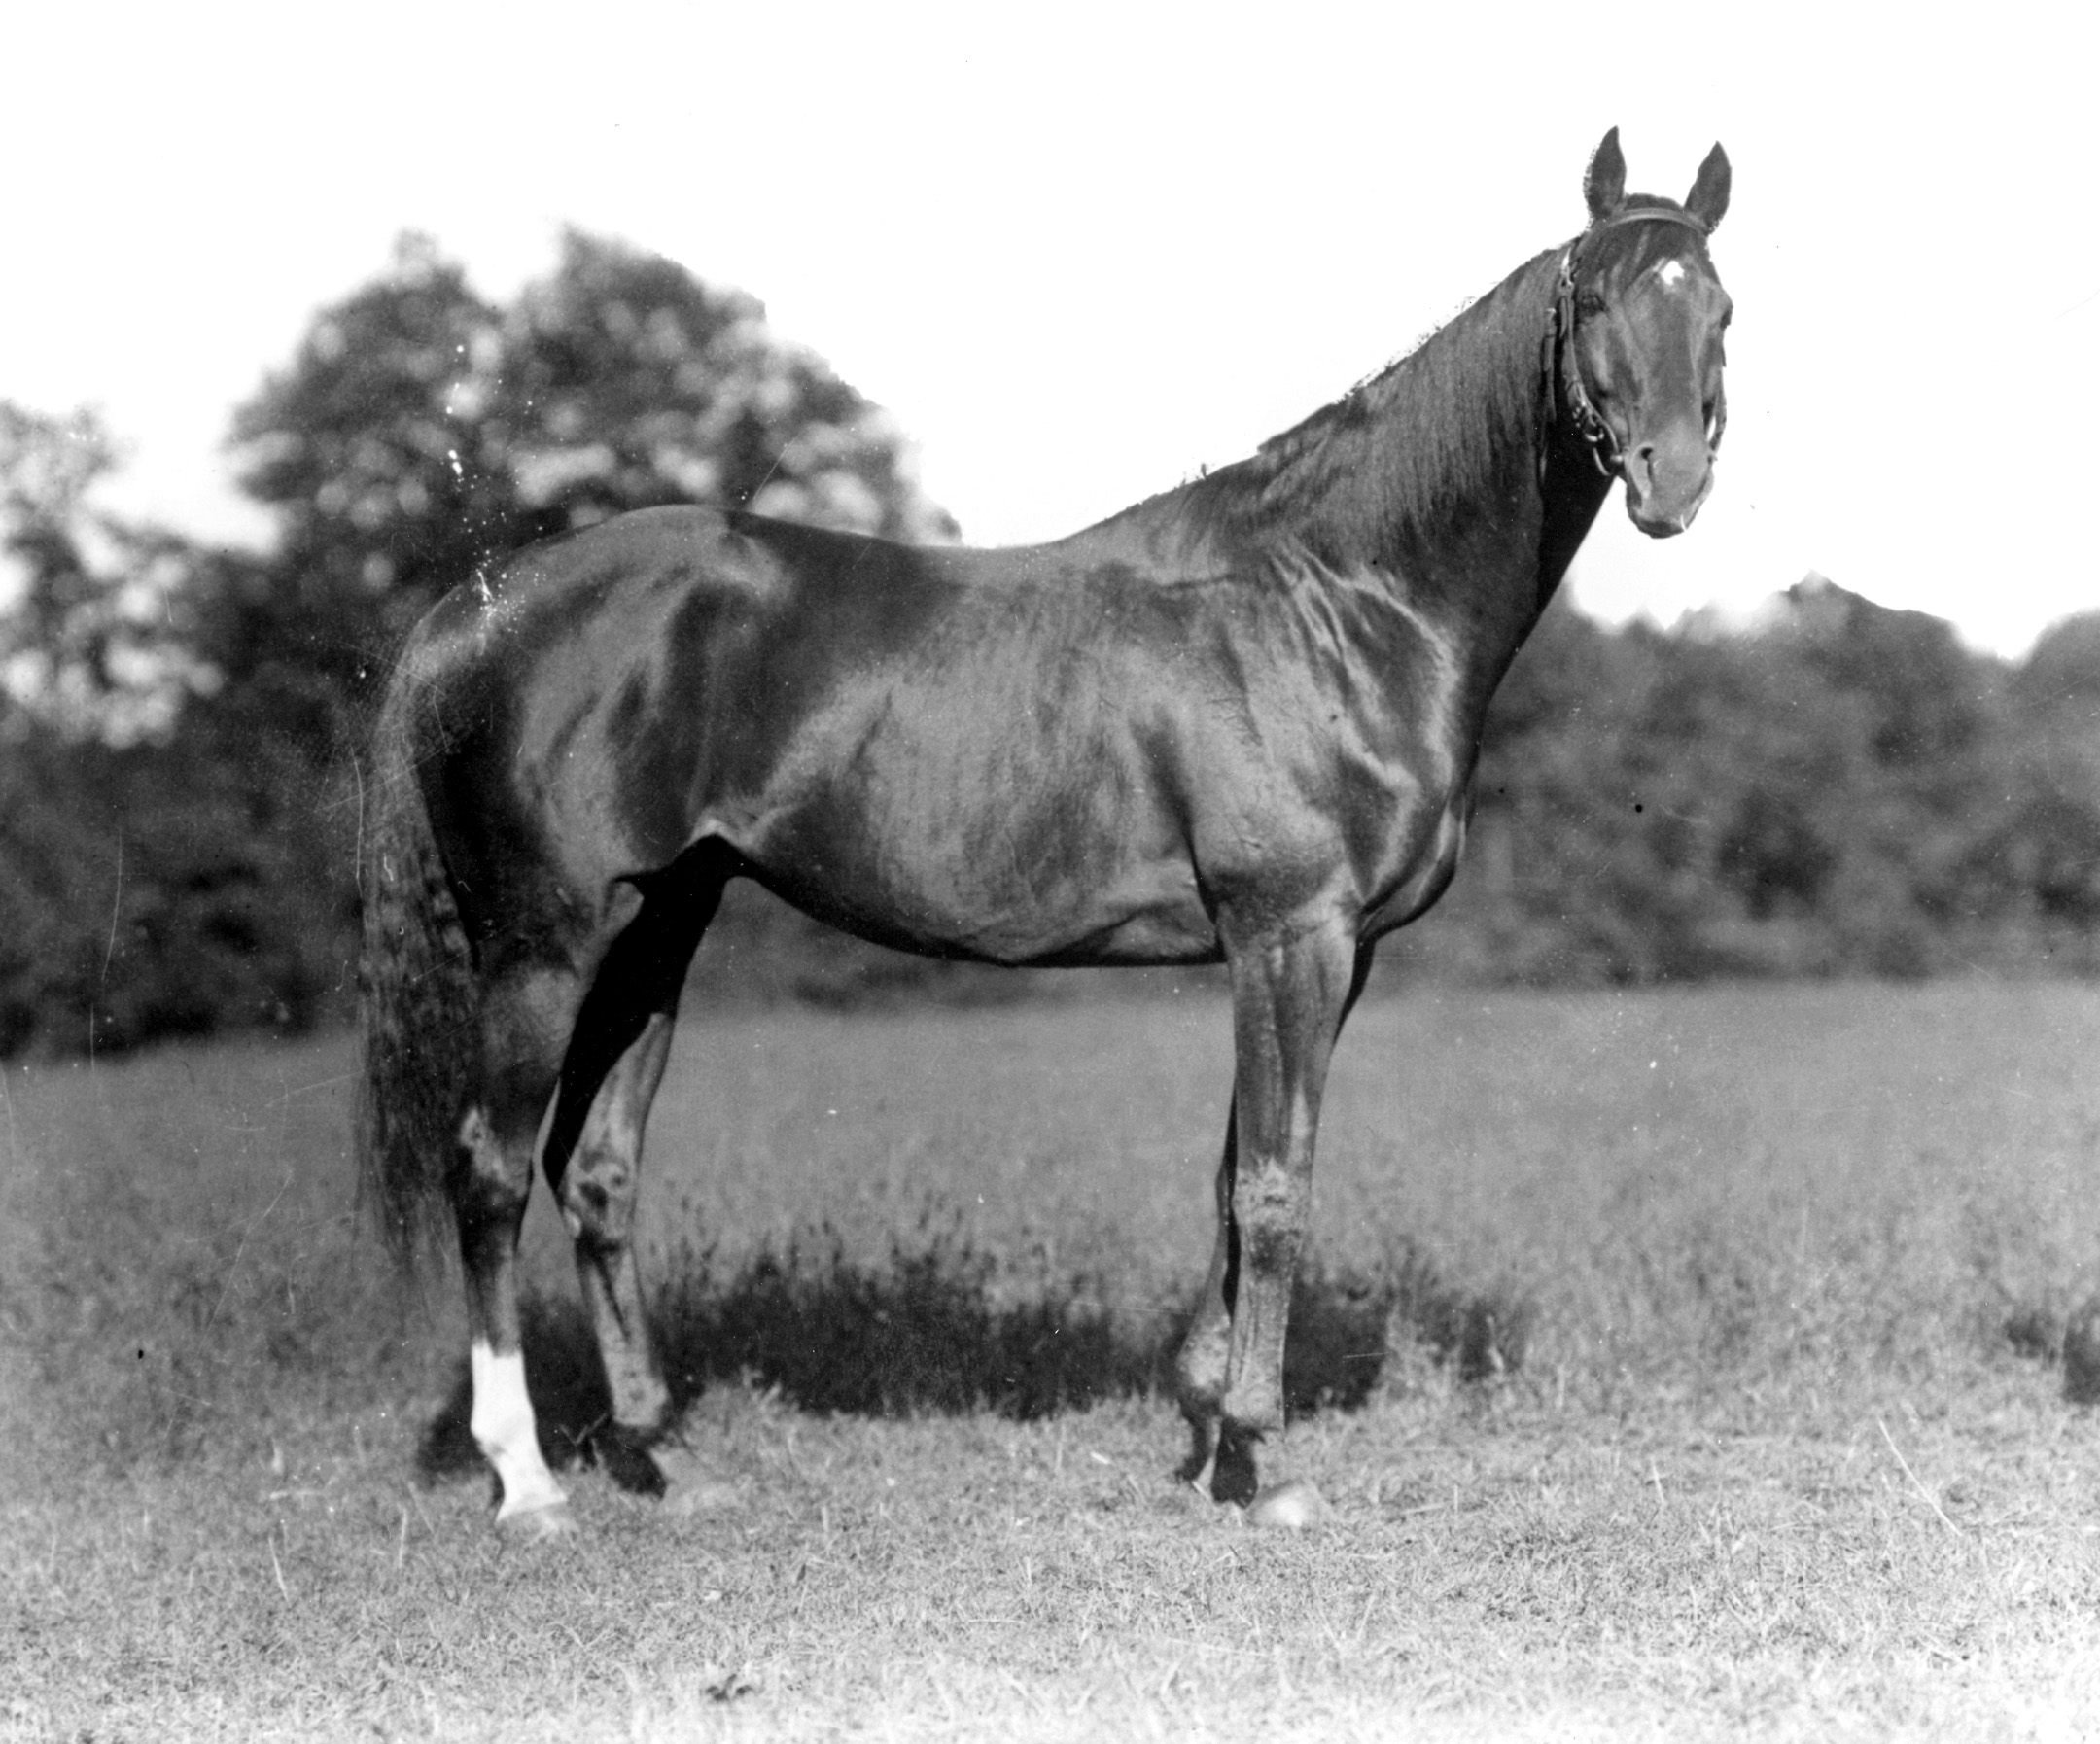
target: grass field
1784 1455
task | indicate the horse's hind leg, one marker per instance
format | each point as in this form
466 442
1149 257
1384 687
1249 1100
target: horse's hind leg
490 1182
593 1148
596 1185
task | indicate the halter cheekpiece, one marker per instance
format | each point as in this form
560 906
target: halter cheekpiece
1590 423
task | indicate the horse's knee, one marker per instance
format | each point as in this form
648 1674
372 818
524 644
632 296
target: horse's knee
490 1180
598 1198
1271 1206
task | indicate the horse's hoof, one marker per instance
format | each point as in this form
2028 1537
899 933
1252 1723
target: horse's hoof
629 1462
1233 1478
541 1524
1292 1506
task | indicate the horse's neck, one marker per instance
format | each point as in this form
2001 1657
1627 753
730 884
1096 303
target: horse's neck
1433 476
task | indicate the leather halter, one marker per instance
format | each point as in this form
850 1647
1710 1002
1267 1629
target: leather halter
1588 422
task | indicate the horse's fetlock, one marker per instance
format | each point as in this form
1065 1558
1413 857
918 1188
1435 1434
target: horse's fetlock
1253 1407
641 1402
1200 1367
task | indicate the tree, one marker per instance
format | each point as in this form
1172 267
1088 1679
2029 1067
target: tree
177 745
422 429
1927 697
1826 793
2045 854
141 892
91 646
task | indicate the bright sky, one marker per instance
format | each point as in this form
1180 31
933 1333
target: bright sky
1079 257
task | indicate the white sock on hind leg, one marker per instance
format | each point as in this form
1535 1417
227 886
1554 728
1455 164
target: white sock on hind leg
504 1430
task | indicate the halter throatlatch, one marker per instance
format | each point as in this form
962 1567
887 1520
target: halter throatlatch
1590 423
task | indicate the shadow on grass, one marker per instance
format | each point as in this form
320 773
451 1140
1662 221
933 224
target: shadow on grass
925 1332
2072 1341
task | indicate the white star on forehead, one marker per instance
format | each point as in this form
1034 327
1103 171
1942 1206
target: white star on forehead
1671 271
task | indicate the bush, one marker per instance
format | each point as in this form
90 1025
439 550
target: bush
160 891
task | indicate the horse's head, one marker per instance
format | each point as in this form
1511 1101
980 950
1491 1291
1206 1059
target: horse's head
1640 315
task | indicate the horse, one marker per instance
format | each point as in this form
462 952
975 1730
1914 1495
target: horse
1235 724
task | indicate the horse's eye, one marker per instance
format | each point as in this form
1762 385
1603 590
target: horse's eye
1588 303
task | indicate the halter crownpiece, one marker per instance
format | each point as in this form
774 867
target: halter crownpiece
1657 214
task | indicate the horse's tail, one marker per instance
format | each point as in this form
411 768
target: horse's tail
420 1000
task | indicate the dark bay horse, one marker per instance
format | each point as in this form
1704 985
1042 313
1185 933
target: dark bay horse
1233 723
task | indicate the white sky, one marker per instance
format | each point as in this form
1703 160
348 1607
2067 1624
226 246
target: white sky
1078 259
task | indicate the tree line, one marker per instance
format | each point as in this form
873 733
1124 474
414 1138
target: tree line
1837 790
1834 789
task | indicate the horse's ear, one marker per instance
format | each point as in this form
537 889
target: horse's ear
1708 198
1603 184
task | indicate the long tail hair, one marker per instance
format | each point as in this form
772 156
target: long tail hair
420 999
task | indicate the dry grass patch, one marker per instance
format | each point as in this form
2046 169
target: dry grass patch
1501 1564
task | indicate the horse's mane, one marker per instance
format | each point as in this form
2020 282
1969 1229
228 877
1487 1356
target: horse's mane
1428 432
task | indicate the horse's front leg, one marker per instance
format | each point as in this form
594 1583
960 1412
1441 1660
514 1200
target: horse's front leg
1291 989
1207 1352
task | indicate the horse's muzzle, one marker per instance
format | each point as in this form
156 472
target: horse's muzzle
1666 481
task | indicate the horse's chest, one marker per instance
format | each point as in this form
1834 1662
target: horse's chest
1420 876
1361 810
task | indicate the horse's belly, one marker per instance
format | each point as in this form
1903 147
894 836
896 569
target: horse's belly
995 909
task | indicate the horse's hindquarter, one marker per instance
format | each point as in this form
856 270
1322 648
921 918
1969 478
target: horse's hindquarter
1026 757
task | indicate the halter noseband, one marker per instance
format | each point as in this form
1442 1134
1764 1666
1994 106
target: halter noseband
1590 423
